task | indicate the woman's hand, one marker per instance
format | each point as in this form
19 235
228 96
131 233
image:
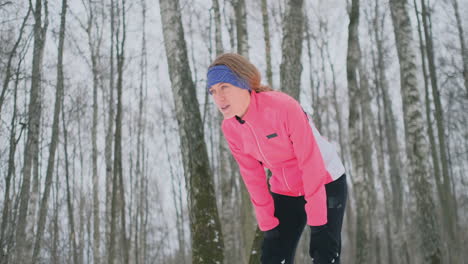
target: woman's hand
271 247
323 245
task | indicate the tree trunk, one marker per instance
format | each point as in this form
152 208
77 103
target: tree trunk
218 28
109 138
416 147
207 238
71 219
54 138
255 253
291 46
7 218
247 218
55 222
140 146
359 169
232 253
118 192
266 37
94 47
314 86
11 55
34 121
394 229
461 36
448 207
241 28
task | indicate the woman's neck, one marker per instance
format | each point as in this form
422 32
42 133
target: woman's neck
246 107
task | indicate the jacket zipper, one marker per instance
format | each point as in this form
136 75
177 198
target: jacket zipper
258 144
284 177
263 155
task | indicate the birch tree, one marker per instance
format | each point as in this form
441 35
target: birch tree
450 218
241 27
207 238
461 36
416 147
34 120
118 192
8 219
11 56
266 37
94 34
54 138
360 121
71 217
291 47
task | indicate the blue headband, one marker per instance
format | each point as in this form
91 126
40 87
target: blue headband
223 74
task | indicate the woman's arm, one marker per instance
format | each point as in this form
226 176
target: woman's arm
310 162
255 180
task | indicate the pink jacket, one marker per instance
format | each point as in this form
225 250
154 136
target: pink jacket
276 133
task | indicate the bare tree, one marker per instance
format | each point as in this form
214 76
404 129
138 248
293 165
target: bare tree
118 193
71 217
266 37
11 55
314 85
139 181
461 36
110 132
241 27
291 46
34 121
388 137
94 34
54 138
448 204
7 228
218 28
207 238
361 142
416 147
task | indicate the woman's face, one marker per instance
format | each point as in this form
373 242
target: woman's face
230 100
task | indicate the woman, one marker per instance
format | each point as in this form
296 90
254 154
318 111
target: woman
266 128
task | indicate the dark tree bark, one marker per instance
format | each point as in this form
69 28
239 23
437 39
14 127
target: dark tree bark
464 50
266 37
118 192
71 217
291 46
218 28
207 238
54 138
360 173
11 55
241 27
447 201
31 150
6 233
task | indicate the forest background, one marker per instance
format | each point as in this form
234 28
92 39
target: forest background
111 149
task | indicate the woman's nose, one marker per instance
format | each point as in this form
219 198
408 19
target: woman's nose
218 97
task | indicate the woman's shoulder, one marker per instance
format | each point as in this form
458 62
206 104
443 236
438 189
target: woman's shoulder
275 98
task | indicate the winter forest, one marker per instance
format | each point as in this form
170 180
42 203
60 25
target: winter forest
111 149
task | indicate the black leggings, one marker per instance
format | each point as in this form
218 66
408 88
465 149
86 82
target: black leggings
292 217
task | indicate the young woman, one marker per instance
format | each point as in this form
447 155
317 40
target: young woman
266 128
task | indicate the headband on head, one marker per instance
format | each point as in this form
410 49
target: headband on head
223 74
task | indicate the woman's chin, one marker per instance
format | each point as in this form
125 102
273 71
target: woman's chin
227 115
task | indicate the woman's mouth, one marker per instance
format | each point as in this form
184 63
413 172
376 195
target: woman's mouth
224 108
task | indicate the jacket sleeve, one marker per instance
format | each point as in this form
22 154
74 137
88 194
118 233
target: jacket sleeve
310 161
255 180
